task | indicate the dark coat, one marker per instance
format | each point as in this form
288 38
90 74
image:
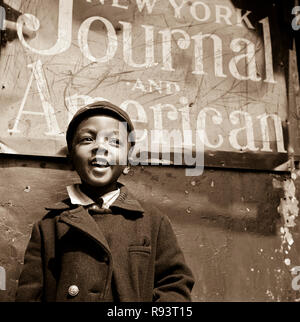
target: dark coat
138 259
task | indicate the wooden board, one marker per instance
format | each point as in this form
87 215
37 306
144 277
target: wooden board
210 73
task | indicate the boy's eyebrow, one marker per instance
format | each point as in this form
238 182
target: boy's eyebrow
92 131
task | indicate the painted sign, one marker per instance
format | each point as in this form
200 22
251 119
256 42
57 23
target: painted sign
191 74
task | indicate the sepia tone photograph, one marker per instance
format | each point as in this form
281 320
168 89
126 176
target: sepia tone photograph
149 152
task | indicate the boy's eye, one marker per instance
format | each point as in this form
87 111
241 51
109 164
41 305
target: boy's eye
86 139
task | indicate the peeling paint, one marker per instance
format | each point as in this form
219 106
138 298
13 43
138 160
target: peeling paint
189 210
286 237
288 209
270 294
289 204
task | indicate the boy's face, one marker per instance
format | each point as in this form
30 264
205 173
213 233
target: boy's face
99 150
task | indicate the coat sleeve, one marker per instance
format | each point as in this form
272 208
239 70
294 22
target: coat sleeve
173 279
30 285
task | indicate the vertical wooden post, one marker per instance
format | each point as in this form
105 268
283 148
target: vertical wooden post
293 104
1 31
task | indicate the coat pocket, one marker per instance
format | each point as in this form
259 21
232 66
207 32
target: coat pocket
139 257
138 248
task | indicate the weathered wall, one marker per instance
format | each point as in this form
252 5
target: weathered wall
227 223
219 82
239 229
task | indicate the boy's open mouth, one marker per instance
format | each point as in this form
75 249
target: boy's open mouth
100 163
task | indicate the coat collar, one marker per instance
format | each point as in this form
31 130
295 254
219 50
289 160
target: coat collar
125 202
79 218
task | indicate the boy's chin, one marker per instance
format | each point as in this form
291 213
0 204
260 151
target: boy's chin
101 186
98 182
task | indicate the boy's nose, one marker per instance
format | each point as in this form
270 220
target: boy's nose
100 147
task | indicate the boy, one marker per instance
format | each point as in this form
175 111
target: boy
89 248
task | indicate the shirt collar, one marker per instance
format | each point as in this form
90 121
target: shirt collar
77 197
124 202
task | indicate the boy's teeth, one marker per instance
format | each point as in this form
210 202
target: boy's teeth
99 164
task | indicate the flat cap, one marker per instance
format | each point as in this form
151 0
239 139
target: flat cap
105 108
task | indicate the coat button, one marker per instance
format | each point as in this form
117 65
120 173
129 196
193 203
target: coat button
73 290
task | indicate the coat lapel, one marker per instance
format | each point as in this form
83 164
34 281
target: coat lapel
80 219
127 202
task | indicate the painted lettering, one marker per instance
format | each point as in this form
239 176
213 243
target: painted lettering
158 119
111 37
148 3
207 11
199 54
201 127
265 132
248 128
240 139
241 18
127 46
76 101
177 7
186 123
139 86
140 118
223 13
32 23
250 61
183 43
160 86
48 111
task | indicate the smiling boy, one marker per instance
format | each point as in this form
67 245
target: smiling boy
100 244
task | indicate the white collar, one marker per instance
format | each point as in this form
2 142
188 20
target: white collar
77 197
